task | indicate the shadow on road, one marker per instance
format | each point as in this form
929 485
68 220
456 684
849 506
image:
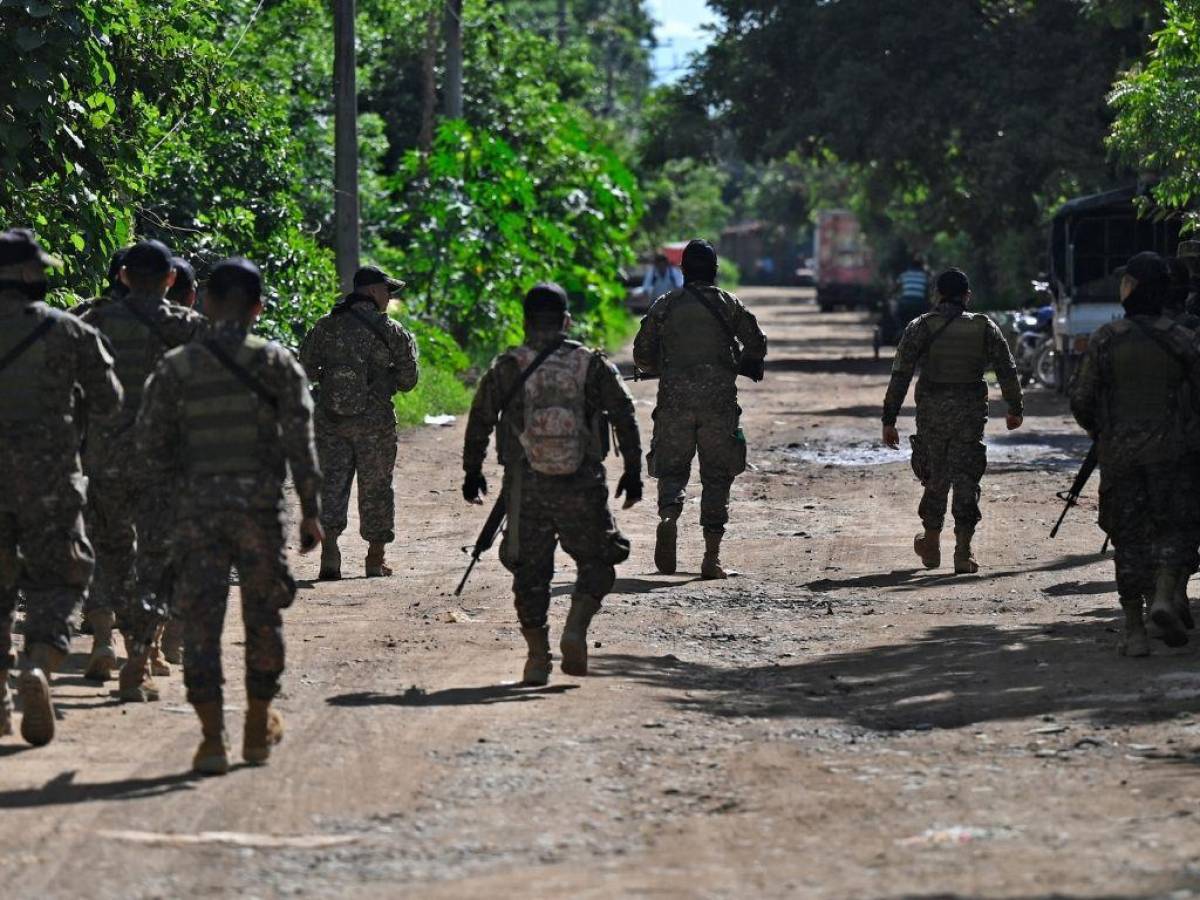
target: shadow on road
635 585
63 789
468 696
919 579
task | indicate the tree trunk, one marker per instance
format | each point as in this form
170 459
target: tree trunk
562 23
428 82
345 175
452 92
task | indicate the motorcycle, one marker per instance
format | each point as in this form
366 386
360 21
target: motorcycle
1033 346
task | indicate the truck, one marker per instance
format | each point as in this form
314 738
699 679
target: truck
1090 238
845 266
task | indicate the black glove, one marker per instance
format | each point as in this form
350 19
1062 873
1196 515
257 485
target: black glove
631 486
754 369
473 486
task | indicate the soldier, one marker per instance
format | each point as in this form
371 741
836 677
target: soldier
140 327
183 290
1189 254
115 291
697 339
47 361
225 417
954 349
548 401
359 358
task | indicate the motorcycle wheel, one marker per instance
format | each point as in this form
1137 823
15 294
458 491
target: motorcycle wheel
1045 365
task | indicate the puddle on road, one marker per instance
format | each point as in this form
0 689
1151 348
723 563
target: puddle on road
1005 452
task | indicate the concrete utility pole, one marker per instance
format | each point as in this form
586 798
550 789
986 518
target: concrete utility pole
453 91
345 175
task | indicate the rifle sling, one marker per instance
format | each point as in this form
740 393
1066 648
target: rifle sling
223 357
734 344
150 324
937 334
374 327
544 355
39 331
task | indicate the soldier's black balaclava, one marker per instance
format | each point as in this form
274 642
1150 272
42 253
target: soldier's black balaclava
1144 284
545 307
700 262
953 287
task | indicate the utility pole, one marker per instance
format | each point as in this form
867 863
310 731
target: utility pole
345 166
453 92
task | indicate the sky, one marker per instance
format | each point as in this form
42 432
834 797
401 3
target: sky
679 34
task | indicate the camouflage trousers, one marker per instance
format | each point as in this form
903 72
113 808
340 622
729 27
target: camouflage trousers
111 522
1150 514
366 449
683 432
570 510
948 455
45 554
253 542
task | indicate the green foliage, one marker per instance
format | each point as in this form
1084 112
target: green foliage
685 199
438 392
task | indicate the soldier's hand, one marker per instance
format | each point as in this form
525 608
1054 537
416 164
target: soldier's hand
1013 422
891 437
311 535
474 486
631 486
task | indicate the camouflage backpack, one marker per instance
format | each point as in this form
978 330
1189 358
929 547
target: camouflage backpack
344 389
556 436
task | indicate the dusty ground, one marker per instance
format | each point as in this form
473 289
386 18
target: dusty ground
833 723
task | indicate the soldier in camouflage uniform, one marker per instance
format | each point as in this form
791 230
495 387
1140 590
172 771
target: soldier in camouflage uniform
225 417
359 358
551 438
1135 394
48 361
697 339
140 327
116 289
954 349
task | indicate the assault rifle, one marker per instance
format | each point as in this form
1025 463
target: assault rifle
486 538
1071 497
639 375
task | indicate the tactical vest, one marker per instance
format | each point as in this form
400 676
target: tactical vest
136 350
691 335
555 436
1144 377
959 354
21 397
227 428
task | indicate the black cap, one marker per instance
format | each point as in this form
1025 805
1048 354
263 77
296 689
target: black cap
369 275
545 300
148 258
185 275
235 273
1147 268
700 256
115 265
18 246
952 284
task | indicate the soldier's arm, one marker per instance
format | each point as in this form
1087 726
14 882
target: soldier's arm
647 345
903 366
485 413
296 432
745 328
404 357
1001 360
95 374
609 393
1085 391
310 353
157 430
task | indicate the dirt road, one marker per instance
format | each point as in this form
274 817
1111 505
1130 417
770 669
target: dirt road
832 723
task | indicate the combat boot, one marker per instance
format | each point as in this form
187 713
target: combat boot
537 663
928 546
1183 604
574 637
134 684
711 568
158 663
33 687
103 660
172 641
212 756
1134 641
331 559
376 567
1163 610
264 729
964 559
664 545
6 706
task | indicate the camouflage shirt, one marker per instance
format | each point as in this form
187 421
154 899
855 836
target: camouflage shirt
161 426
388 367
604 392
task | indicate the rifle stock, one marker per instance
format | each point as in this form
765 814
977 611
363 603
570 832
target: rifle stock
486 538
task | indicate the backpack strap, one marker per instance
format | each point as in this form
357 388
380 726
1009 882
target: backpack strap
716 313
374 327
239 371
533 367
937 334
39 331
150 324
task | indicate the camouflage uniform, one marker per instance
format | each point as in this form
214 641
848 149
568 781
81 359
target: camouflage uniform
121 495
952 406
43 547
364 443
546 509
229 449
1135 393
697 410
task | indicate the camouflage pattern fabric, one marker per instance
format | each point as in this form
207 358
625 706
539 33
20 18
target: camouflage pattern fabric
357 446
111 518
44 551
697 411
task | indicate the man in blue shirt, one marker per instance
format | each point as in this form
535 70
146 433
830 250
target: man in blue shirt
662 278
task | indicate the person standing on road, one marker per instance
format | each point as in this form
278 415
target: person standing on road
954 349
697 340
227 417
914 292
359 358
1135 394
49 361
550 402
661 278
